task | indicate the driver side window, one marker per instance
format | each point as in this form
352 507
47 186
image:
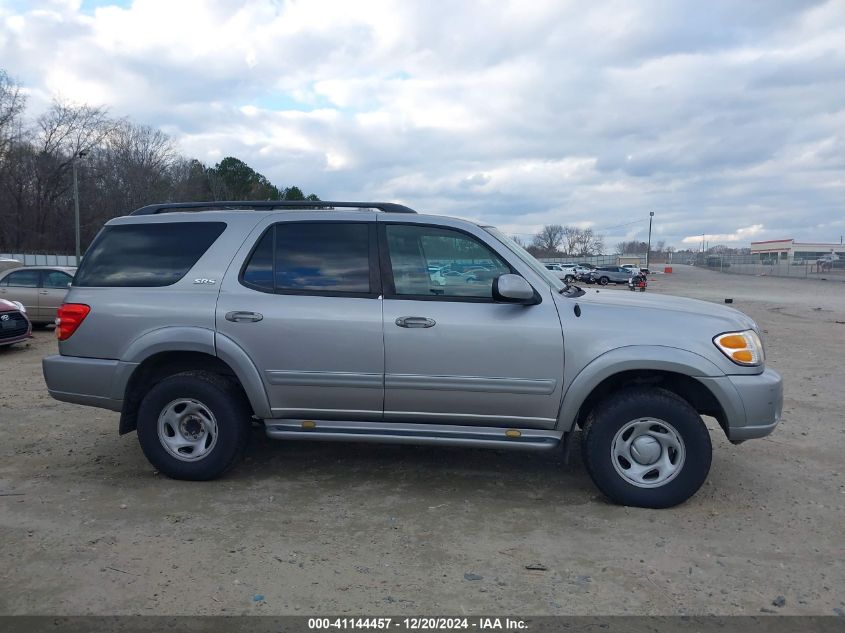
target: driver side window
429 261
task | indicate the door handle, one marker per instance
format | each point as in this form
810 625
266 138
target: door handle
43 292
243 317
411 321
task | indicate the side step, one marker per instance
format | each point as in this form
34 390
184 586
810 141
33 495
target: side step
403 433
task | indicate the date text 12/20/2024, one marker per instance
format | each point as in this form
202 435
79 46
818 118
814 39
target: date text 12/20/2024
419 624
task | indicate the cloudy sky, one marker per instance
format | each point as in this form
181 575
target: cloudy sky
722 117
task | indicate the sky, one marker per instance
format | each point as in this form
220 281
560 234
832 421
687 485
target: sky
724 118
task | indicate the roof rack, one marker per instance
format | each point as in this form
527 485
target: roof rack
153 209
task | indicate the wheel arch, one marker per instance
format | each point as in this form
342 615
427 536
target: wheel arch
167 351
672 369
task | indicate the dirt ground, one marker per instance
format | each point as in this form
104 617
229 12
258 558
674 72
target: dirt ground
87 526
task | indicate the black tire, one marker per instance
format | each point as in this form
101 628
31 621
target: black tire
568 279
603 281
621 409
218 395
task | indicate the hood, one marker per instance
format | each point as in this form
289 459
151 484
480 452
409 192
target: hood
667 305
8 306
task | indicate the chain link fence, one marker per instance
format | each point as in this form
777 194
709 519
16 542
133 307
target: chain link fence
772 267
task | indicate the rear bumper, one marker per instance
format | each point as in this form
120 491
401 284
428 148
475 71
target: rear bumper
79 380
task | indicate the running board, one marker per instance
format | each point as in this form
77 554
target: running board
402 433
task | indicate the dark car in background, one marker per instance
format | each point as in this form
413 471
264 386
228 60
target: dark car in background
14 325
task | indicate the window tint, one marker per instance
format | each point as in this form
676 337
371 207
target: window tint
431 261
259 271
313 257
146 254
24 278
56 279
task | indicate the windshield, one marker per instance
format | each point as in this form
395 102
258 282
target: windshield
527 258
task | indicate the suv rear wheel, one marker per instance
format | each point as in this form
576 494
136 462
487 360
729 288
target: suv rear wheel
193 425
646 448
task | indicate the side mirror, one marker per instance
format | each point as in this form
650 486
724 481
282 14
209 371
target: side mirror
512 288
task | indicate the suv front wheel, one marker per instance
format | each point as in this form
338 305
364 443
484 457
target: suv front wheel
647 448
193 425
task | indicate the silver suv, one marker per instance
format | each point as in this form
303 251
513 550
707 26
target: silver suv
324 321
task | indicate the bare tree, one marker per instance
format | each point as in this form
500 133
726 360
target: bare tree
588 243
549 239
571 234
12 103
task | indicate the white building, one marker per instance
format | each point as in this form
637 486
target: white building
790 250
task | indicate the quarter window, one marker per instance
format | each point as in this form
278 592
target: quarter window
431 262
146 255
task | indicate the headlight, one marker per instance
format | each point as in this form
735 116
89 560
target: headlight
743 348
20 307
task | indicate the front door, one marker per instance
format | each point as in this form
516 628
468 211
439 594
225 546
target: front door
452 355
306 307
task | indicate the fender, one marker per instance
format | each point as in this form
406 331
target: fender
632 357
235 357
193 339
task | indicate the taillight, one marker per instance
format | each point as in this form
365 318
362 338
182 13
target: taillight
69 317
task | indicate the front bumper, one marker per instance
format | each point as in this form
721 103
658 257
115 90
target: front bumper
762 398
752 404
80 380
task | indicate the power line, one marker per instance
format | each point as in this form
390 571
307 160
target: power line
619 226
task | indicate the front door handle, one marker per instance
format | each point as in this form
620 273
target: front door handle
243 317
412 321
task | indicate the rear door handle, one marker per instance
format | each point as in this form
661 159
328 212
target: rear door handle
412 321
243 317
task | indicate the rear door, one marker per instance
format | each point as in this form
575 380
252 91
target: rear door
22 285
51 294
303 299
452 355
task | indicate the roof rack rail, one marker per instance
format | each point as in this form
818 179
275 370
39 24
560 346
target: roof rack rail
153 209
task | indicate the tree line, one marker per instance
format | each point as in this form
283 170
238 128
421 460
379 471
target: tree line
121 165
555 240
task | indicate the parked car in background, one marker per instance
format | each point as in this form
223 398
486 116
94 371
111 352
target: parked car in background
41 290
8 264
610 274
582 272
14 325
562 271
634 270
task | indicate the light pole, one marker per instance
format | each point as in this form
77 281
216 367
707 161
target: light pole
648 250
76 156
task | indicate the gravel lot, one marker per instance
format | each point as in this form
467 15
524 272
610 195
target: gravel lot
87 527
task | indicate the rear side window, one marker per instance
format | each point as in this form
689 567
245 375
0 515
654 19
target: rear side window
312 258
56 279
146 254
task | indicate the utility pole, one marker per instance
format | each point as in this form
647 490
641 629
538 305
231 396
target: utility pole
76 156
648 250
